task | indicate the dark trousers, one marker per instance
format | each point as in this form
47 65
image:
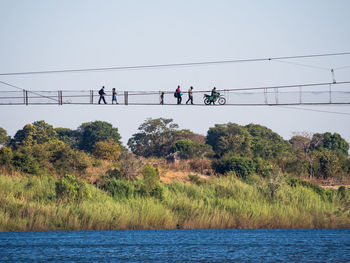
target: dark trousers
190 98
102 98
179 99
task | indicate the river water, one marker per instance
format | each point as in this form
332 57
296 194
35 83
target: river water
263 245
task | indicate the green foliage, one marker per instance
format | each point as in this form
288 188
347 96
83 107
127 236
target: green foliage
266 144
300 142
294 182
194 178
329 141
154 139
344 194
68 136
67 160
38 148
298 163
157 136
92 132
107 150
325 156
274 181
51 157
229 137
190 149
25 136
248 141
29 203
327 164
150 177
262 167
4 138
69 188
129 165
24 161
240 165
6 156
120 188
158 192
189 135
37 133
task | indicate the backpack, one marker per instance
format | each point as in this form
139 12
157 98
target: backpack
100 92
175 93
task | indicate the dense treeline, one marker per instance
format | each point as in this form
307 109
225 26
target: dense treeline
39 148
68 174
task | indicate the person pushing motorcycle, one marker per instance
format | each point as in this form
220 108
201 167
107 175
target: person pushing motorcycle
214 95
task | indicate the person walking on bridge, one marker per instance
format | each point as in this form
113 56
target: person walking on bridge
102 94
114 96
178 95
190 95
162 98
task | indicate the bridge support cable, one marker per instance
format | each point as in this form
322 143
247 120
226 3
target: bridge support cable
185 64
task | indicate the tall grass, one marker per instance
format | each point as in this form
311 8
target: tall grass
30 203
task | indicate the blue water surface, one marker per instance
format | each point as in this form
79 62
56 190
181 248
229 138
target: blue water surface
219 245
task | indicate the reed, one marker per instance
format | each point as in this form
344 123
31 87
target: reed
30 203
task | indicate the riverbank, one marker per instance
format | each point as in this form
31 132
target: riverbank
32 203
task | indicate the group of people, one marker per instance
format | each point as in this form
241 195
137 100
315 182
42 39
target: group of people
177 94
102 94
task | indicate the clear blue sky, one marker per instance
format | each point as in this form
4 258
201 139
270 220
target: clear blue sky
49 35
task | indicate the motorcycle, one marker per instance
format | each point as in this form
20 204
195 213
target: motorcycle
208 99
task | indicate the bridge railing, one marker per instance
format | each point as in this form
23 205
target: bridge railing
333 93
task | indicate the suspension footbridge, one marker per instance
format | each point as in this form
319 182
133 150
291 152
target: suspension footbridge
333 93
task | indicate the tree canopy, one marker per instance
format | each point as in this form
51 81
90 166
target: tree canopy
38 148
329 141
154 138
37 133
92 132
4 138
249 141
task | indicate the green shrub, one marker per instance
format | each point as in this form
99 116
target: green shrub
107 150
120 188
67 160
240 165
141 189
68 187
190 149
316 188
157 192
194 178
24 161
151 177
344 193
264 168
6 156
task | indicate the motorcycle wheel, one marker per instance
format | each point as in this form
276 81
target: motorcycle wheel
222 101
206 101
